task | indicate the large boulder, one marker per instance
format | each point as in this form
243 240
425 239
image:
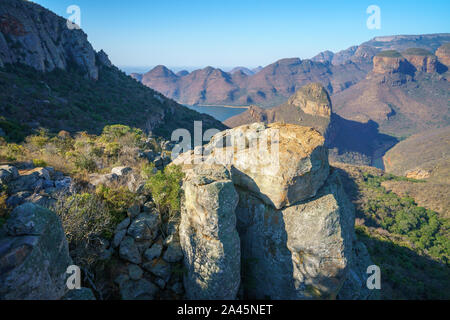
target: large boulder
208 234
300 252
34 255
290 231
281 163
8 173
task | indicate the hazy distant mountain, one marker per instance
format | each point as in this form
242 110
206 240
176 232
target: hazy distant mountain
244 70
275 83
272 85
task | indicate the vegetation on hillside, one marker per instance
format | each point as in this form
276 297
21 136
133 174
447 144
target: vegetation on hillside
427 233
417 52
82 154
389 54
409 243
66 100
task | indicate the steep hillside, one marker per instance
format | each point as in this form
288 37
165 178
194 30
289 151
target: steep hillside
408 242
424 156
51 77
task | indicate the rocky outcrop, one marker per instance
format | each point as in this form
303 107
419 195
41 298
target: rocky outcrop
443 54
299 252
32 35
295 225
388 62
208 235
422 60
313 99
34 255
149 253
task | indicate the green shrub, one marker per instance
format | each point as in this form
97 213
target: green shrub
39 163
116 132
12 151
117 201
165 187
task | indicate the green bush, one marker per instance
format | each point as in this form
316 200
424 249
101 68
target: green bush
165 187
39 163
117 201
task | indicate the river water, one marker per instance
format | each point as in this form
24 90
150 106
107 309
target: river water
218 112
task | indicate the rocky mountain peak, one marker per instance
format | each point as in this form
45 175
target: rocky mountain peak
313 99
35 36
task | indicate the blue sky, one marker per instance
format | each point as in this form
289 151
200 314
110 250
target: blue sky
229 33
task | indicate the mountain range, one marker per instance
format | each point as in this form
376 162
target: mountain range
275 83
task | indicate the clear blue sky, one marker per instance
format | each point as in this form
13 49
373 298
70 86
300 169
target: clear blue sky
241 32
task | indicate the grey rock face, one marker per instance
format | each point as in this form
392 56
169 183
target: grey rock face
121 171
18 198
32 35
153 252
82 294
138 290
208 235
280 163
8 173
174 253
159 268
145 226
34 255
135 272
103 58
129 251
118 237
355 286
300 252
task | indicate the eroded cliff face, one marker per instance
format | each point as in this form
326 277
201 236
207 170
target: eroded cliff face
385 65
443 53
34 36
284 233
